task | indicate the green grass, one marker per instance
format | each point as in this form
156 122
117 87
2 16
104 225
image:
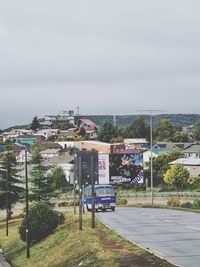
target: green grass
68 246
2 217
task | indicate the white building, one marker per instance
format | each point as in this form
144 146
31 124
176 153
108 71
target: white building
69 144
50 153
45 132
136 143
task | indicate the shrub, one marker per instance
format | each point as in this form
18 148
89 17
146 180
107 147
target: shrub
187 205
63 204
196 203
61 218
173 202
42 221
121 201
68 203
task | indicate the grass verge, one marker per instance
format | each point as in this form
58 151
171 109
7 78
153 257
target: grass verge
69 247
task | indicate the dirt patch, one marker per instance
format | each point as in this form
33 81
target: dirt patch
130 257
107 243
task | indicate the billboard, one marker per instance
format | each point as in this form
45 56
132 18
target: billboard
103 169
126 168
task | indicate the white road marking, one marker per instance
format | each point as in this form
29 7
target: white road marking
193 228
169 221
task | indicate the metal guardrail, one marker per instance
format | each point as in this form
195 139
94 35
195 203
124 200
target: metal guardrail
162 194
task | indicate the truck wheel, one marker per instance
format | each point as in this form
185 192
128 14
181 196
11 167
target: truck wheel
88 208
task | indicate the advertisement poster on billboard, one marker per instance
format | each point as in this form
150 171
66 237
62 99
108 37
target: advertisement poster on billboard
104 169
127 168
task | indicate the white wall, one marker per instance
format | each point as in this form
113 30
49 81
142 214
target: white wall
68 144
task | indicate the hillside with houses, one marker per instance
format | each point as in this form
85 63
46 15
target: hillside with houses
59 136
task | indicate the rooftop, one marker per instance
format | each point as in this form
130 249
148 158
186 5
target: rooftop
135 141
187 161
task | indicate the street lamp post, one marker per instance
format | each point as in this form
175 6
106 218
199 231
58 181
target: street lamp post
151 143
27 209
7 203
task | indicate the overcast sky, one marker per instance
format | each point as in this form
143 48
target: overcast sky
108 57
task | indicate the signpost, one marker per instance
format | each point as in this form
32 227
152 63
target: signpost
86 173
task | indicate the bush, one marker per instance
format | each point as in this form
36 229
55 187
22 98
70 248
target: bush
42 221
187 205
196 203
173 202
68 203
61 218
121 201
63 204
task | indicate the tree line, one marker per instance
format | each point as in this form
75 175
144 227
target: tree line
163 131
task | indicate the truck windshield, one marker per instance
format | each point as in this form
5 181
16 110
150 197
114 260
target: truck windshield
105 192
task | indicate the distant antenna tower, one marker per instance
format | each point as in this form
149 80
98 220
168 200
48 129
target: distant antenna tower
77 110
114 120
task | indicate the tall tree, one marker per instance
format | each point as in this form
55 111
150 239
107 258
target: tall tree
107 132
40 182
64 125
35 125
9 176
161 162
180 137
138 129
8 144
177 175
57 178
165 130
196 131
82 132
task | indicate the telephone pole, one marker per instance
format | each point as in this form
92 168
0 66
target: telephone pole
27 209
151 111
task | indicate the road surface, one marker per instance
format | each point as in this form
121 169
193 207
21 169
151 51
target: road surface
3 263
173 235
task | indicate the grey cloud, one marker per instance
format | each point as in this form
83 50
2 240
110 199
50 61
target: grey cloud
107 56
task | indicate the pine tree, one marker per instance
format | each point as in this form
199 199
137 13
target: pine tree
9 174
35 125
107 132
40 182
138 129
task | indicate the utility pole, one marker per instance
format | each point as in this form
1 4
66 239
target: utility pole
74 194
7 202
27 209
151 111
78 110
80 193
115 120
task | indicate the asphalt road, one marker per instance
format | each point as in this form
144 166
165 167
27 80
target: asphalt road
3 262
173 235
